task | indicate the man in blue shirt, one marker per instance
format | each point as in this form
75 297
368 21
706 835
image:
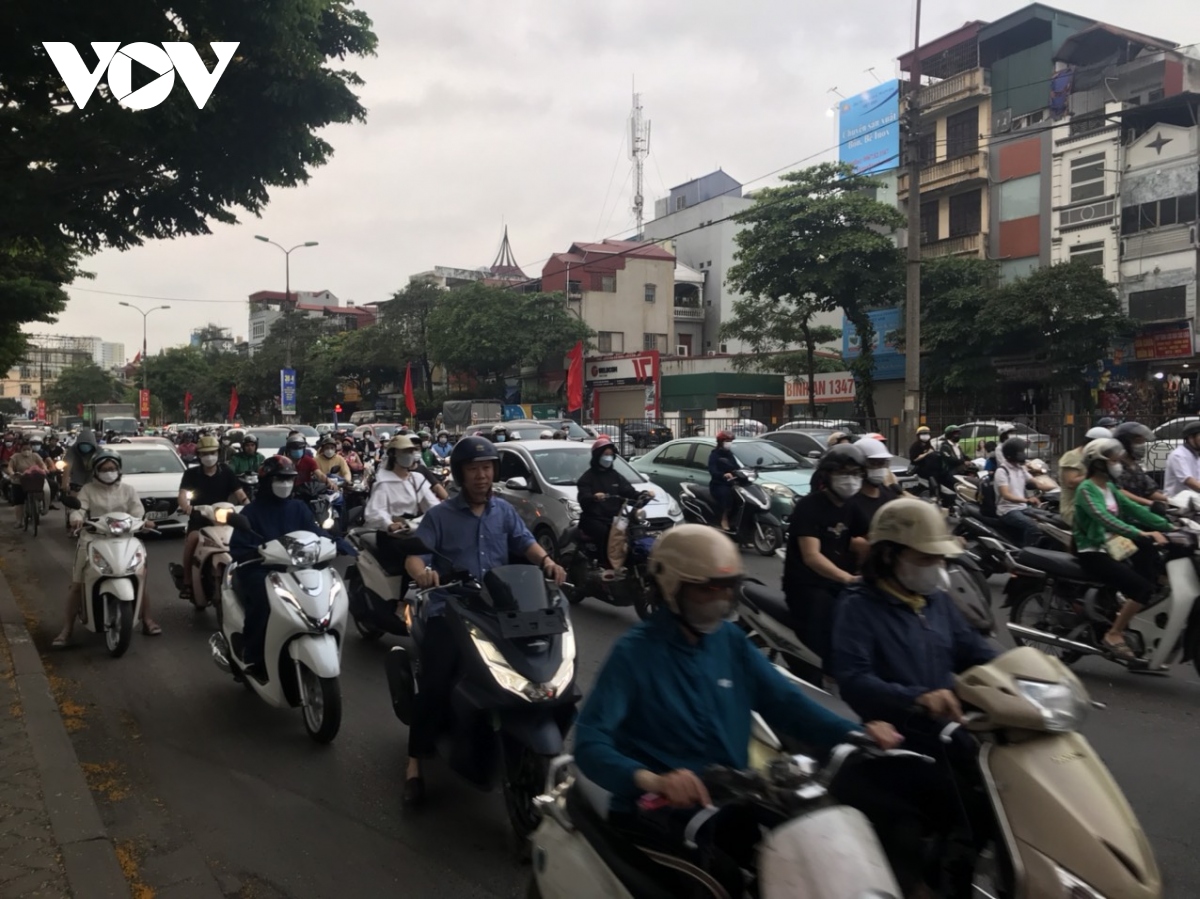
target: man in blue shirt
474 531
675 697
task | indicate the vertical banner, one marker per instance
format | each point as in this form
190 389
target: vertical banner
144 397
41 410
287 391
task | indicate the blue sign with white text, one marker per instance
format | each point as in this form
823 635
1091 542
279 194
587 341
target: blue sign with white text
869 129
287 391
889 362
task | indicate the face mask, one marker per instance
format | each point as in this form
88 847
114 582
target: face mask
425 444
500 438
329 453
707 617
282 489
443 441
954 439
1115 470
877 475
1138 450
921 579
296 453
846 485
606 461
35 447
208 461
108 477
407 460
924 438
84 448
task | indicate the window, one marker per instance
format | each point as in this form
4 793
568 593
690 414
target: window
610 341
700 459
1163 304
608 283
1171 211
1091 253
26 372
1187 209
258 329
26 390
965 212
1168 211
654 342
927 148
574 289
1156 94
930 216
1147 216
680 203
513 466
675 454
1087 178
962 133
650 291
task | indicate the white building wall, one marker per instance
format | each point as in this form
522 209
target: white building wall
1093 223
626 311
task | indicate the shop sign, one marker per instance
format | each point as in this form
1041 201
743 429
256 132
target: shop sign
1174 342
622 372
835 387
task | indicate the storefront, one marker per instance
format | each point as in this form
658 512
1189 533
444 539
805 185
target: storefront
753 396
624 386
1156 376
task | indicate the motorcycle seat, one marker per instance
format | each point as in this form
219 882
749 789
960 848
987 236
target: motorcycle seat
1058 564
702 493
630 864
771 601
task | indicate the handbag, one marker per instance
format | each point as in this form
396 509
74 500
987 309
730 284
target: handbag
618 542
1120 548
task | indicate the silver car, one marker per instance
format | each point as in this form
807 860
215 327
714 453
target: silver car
154 471
539 479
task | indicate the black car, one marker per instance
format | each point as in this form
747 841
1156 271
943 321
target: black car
644 434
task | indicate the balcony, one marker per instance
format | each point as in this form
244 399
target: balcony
689 313
964 86
960 171
963 245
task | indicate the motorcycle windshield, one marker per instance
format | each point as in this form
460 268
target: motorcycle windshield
516 588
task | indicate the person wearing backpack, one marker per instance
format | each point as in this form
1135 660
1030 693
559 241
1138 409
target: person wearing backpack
1011 501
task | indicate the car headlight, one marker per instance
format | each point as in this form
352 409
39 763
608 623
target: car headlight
100 563
1063 708
779 490
673 509
515 683
1074 888
574 510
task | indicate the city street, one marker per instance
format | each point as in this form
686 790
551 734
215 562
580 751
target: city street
204 785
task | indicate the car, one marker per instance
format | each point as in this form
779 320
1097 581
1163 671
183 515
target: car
785 475
805 444
311 435
977 433
645 433
811 424
1167 436
538 479
377 430
154 471
147 441
270 439
623 443
530 429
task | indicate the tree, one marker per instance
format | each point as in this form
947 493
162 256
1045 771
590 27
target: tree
772 327
379 354
31 279
82 384
821 234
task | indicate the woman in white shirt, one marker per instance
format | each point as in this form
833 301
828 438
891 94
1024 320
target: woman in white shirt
398 493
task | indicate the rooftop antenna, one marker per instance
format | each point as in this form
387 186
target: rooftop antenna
639 149
871 72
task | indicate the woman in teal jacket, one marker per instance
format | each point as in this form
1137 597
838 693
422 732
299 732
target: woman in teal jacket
1101 512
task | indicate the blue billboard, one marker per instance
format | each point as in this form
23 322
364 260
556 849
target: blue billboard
287 391
869 129
889 362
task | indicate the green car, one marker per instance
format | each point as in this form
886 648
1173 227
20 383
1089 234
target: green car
785 475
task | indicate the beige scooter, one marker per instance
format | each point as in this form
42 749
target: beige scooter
1066 829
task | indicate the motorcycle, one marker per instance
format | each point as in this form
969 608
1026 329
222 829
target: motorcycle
210 559
249 482
319 499
752 521
376 585
1054 606
305 630
515 695
113 578
630 585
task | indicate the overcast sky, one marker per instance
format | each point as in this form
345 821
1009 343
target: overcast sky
482 114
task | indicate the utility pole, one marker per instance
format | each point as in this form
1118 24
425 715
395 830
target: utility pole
145 315
912 317
287 280
639 149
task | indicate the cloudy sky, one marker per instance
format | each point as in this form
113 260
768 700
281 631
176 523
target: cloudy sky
482 114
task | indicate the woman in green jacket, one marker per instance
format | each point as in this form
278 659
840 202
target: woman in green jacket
1102 511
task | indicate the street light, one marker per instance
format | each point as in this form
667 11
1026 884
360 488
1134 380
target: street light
287 275
145 314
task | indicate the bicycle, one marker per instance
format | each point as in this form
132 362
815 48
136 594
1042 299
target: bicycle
33 511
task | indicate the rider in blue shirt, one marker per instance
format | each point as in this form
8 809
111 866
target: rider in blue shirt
443 448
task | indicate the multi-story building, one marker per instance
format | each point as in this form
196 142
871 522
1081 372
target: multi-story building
504 271
213 338
267 307
46 356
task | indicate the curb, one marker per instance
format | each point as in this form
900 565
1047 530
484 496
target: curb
88 856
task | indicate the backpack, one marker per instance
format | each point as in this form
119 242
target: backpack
987 499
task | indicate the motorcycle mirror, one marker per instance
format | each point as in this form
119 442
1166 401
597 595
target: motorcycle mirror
70 502
815 454
238 521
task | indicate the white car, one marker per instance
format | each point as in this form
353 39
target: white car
154 471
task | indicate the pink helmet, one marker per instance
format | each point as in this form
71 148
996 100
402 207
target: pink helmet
602 441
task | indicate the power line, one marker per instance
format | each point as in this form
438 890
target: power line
142 296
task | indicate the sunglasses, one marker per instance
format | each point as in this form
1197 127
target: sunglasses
721 583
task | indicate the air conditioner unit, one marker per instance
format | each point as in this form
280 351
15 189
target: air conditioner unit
1002 121
681 350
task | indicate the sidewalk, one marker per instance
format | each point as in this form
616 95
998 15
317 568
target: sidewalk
52 842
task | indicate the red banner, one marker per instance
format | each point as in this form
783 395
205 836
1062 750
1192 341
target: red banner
575 378
41 412
233 403
1163 343
187 405
410 401
144 396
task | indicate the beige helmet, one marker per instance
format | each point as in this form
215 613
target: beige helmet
837 437
401 442
208 444
692 554
916 524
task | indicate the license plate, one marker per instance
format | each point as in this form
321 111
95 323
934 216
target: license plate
157 516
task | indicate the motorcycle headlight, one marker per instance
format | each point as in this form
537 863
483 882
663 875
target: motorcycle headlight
100 563
1063 709
303 555
136 563
511 680
779 490
1074 888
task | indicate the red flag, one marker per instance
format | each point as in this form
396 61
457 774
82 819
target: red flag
232 404
575 378
187 404
410 401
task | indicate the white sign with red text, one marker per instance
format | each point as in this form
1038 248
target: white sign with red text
836 387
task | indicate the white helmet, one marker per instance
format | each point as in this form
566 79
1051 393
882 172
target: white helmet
1106 449
873 449
693 554
1098 434
916 524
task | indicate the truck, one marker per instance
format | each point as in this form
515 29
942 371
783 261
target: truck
119 417
457 415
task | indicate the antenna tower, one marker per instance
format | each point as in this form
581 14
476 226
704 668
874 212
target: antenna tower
639 149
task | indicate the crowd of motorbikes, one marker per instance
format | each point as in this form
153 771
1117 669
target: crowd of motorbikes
1062 826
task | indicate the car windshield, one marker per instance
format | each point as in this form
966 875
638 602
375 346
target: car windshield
563 466
307 431
148 460
774 457
269 437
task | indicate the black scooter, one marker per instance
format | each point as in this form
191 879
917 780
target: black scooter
751 519
584 562
514 698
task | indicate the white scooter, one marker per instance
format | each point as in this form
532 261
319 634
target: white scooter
113 578
375 584
211 557
305 630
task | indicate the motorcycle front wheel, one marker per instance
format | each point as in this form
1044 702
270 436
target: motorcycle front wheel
767 539
524 780
1036 605
119 632
323 705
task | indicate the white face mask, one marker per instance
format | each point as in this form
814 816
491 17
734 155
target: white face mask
108 477
407 460
922 579
208 461
329 453
877 476
1115 470
425 444
606 461
924 438
282 489
845 485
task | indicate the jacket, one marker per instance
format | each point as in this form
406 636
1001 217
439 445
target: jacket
661 703
270 518
609 482
885 655
97 498
1094 523
241 464
79 469
392 496
720 462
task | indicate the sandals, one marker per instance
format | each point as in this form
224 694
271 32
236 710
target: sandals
186 593
60 642
151 629
1121 650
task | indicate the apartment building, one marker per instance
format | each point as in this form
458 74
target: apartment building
267 307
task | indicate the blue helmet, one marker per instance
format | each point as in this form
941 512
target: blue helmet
472 449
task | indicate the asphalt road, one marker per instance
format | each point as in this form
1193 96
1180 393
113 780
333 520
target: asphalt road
195 772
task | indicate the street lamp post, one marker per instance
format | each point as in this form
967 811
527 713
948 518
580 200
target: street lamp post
287 280
145 314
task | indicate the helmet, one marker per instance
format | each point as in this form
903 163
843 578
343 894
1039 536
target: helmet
209 445
443 433
951 429
724 436
924 429
1107 422
693 554
296 441
106 455
546 435
603 442
277 468
325 441
1106 449
878 437
1097 433
841 457
249 440
837 437
916 524
1014 448
399 443
235 435
423 434
1131 431
499 432
472 449
872 448
1191 429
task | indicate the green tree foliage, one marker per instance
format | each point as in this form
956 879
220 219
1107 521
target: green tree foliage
378 355
31 279
772 328
822 235
83 383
